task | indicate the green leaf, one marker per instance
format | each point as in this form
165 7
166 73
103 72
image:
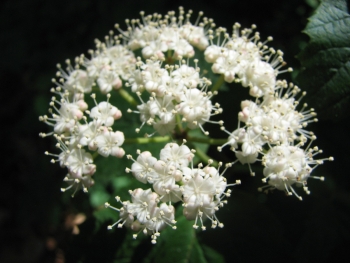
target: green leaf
197 254
127 250
177 246
212 256
98 196
325 61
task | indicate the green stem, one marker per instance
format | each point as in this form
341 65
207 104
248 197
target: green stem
142 140
218 83
210 141
94 155
179 124
202 155
127 97
95 88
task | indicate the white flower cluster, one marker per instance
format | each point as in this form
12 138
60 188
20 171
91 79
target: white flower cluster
272 124
286 165
156 34
201 190
172 92
243 58
73 132
143 214
173 89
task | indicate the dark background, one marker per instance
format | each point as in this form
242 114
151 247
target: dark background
37 34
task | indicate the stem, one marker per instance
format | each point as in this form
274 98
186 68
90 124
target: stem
143 140
218 83
179 124
210 141
127 97
202 155
94 155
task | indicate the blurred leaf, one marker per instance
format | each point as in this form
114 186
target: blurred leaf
212 256
197 254
104 215
325 61
128 248
98 196
313 3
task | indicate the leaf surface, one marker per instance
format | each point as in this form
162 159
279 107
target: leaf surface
325 61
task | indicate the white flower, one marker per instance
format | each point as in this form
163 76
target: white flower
125 217
66 116
287 165
105 113
166 124
79 81
136 81
84 182
218 180
228 64
143 214
248 158
107 80
152 75
195 35
142 168
143 204
195 107
160 218
260 76
173 87
122 60
164 181
109 142
88 133
212 53
96 65
79 163
183 49
179 156
187 76
155 49
159 112
197 188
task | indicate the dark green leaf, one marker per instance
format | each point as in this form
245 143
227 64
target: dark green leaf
128 249
325 60
177 246
212 256
197 254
